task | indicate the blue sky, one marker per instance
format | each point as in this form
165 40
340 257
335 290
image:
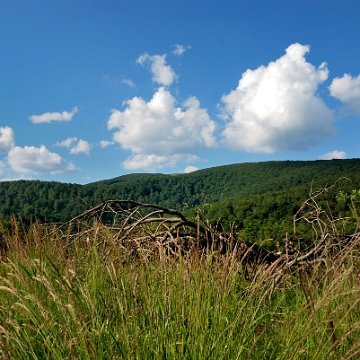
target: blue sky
91 89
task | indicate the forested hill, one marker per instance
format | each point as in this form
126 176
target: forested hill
235 181
54 201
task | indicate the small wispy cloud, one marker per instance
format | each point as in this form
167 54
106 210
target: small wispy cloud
128 82
336 154
109 79
152 162
113 80
82 147
67 142
76 146
190 169
180 49
2 166
53 116
162 73
105 143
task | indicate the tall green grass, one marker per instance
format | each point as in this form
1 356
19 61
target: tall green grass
96 300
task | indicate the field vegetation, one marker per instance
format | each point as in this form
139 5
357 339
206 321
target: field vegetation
126 280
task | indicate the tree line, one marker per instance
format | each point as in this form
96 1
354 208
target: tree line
260 199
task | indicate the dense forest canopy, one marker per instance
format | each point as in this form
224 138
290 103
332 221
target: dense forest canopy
261 198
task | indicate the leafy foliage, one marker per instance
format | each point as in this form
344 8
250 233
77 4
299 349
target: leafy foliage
260 198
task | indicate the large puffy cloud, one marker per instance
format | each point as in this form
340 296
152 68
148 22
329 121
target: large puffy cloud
33 160
156 131
6 139
347 90
275 107
162 73
53 116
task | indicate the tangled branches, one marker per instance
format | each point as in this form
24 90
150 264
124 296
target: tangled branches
333 235
152 230
132 224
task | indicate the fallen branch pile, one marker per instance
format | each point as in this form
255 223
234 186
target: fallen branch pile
147 226
152 229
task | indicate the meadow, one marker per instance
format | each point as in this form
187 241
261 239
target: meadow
81 293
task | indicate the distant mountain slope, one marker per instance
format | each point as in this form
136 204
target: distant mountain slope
53 201
227 182
127 178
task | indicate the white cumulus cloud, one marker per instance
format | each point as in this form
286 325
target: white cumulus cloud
2 166
33 160
336 154
160 129
347 90
190 169
162 73
67 142
53 116
76 146
180 49
6 138
275 107
153 162
105 143
82 147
